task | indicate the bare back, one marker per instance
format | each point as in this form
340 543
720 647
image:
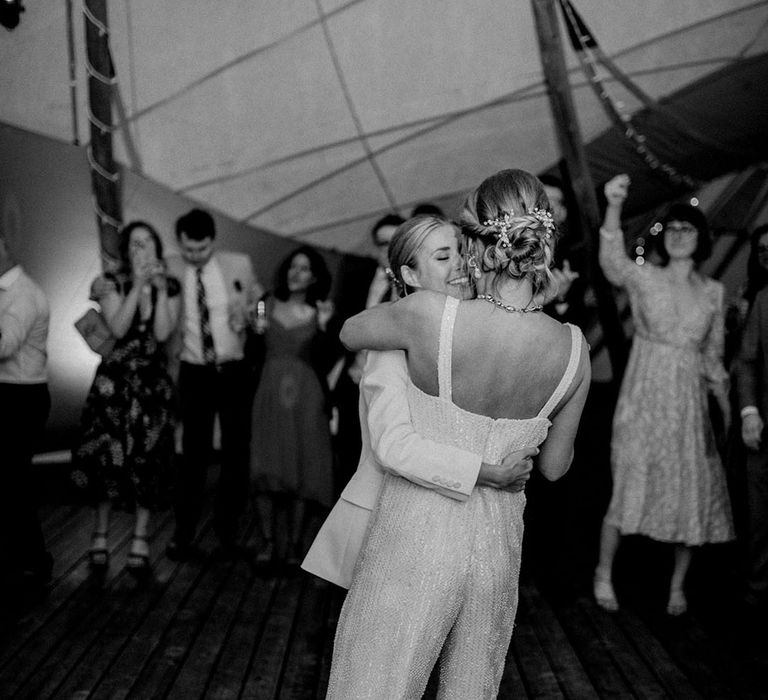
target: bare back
505 365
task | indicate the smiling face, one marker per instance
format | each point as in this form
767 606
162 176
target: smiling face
439 266
300 275
681 238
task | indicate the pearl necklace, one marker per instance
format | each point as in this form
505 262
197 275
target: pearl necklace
507 307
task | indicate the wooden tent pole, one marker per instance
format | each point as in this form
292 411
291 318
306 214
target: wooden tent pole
572 149
104 174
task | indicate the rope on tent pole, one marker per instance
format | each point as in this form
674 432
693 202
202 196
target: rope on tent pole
585 46
104 174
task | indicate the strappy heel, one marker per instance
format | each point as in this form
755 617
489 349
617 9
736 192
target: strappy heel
98 554
138 562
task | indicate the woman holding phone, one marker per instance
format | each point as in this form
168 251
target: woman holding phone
127 424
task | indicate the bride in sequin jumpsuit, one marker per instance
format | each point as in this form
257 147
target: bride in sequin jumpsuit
438 577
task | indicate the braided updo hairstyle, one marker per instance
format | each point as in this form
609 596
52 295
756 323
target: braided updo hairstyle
524 245
405 244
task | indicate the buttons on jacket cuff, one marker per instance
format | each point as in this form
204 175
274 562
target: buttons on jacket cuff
447 483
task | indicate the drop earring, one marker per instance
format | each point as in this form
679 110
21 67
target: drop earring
472 265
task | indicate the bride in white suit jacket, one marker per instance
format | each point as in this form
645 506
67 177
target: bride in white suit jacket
425 248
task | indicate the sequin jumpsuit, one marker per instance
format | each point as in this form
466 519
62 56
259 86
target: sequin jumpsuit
437 574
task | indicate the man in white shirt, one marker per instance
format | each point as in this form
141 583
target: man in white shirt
219 288
24 406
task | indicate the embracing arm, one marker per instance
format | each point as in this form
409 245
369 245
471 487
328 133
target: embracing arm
393 326
557 451
397 446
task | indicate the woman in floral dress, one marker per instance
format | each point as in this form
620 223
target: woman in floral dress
668 478
127 437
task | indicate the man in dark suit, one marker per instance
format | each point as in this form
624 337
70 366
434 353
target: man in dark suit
362 283
219 288
752 386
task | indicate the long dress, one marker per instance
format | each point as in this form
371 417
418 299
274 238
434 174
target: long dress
436 573
126 444
291 440
668 478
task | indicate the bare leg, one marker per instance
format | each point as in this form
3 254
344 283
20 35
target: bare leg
677 604
298 510
138 555
266 512
98 553
603 587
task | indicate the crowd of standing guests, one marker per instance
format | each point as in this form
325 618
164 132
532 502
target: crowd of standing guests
200 349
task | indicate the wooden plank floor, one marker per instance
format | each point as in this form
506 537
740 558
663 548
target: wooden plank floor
213 629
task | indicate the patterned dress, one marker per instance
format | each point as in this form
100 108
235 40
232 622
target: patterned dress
125 450
291 440
668 478
436 573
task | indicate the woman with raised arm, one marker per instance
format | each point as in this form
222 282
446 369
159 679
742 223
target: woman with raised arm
668 480
436 574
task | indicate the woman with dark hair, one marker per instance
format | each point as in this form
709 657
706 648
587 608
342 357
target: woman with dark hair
668 478
291 453
127 437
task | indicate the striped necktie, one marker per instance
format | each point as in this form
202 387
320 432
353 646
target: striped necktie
206 337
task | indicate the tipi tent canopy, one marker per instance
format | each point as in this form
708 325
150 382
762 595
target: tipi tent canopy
313 118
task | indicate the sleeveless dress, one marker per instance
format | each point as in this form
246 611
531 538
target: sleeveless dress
291 440
126 444
435 573
668 478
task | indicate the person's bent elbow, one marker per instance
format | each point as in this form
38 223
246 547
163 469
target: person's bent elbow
556 469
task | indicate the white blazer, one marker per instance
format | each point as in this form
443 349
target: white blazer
389 443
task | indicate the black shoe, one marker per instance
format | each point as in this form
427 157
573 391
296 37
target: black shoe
138 562
177 551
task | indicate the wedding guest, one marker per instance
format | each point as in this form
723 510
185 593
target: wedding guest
218 290
752 383
362 283
127 427
24 406
668 478
291 455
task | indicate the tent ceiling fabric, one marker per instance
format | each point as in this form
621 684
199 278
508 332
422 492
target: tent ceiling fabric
311 118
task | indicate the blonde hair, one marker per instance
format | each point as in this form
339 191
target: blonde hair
405 245
524 246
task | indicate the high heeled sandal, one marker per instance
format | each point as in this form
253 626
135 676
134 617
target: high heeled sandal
98 554
605 596
138 562
677 604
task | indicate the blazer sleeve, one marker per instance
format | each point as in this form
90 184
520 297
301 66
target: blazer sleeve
747 364
397 446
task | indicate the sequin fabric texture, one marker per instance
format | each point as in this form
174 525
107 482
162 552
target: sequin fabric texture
668 478
435 574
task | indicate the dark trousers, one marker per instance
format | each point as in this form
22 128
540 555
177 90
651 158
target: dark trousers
348 440
204 391
757 526
23 412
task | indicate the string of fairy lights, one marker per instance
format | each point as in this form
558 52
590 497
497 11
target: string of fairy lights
622 119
